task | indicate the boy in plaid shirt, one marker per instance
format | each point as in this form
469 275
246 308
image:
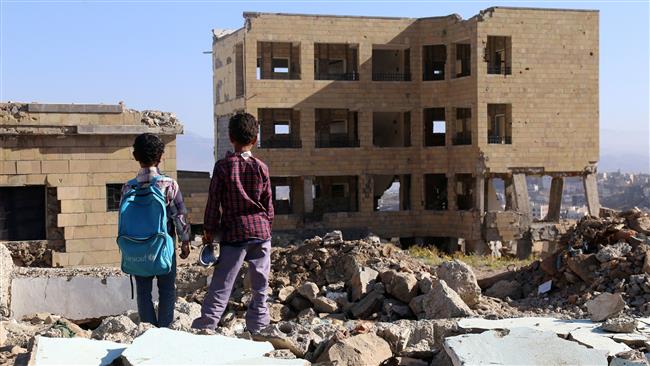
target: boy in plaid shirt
239 211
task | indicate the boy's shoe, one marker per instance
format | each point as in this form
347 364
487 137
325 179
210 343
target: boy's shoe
206 256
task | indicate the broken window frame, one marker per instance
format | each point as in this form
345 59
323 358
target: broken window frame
435 197
279 123
430 117
495 65
431 64
400 75
268 119
499 133
465 190
19 205
463 60
463 127
322 62
325 118
292 57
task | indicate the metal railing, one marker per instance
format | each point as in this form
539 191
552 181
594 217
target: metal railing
506 140
350 76
498 70
391 76
462 140
430 76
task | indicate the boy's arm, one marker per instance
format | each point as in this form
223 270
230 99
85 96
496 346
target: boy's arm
212 216
179 214
267 196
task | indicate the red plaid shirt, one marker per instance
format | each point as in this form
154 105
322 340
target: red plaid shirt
241 187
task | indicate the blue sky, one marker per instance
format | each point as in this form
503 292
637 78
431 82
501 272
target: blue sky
149 55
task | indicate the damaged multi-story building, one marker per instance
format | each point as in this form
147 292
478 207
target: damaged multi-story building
62 168
439 111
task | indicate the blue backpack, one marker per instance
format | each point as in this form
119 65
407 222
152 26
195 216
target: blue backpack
147 249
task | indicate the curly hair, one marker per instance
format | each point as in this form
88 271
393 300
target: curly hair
243 128
148 148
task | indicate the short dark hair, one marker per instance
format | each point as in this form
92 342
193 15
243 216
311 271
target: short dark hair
148 148
243 128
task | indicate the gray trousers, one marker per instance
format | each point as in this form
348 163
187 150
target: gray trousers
231 257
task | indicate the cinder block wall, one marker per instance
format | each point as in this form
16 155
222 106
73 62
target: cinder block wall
553 93
79 167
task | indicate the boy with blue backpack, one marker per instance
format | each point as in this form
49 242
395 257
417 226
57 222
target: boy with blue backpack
239 211
151 207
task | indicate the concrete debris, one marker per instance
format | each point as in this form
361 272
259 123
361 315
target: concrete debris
364 349
289 335
604 306
159 119
614 251
410 338
460 277
75 351
505 289
285 294
443 302
622 324
324 305
561 327
520 346
361 280
597 341
165 346
309 290
403 286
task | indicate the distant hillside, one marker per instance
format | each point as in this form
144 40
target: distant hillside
194 152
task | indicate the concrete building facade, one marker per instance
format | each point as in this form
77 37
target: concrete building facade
62 167
403 126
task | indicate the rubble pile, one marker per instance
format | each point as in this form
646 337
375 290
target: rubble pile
17 111
159 119
608 255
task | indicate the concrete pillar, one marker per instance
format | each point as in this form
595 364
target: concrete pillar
555 199
366 201
522 201
591 194
525 246
451 193
492 202
308 199
509 191
479 193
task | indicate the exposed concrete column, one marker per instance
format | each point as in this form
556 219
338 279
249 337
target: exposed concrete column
479 193
509 192
365 127
555 199
492 202
306 53
591 194
308 199
522 201
308 128
366 185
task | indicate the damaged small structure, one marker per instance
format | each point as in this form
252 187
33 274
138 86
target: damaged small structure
403 126
62 167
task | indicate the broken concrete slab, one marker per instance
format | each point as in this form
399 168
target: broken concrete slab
621 324
288 335
558 326
597 340
403 286
74 351
520 346
604 306
71 294
170 347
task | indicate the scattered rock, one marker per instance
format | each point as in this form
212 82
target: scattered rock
288 335
118 329
364 349
370 304
309 290
403 286
286 293
360 282
460 278
443 302
505 289
622 324
604 306
333 238
281 353
324 305
614 251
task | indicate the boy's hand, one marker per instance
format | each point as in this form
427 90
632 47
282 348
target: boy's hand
207 237
185 249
